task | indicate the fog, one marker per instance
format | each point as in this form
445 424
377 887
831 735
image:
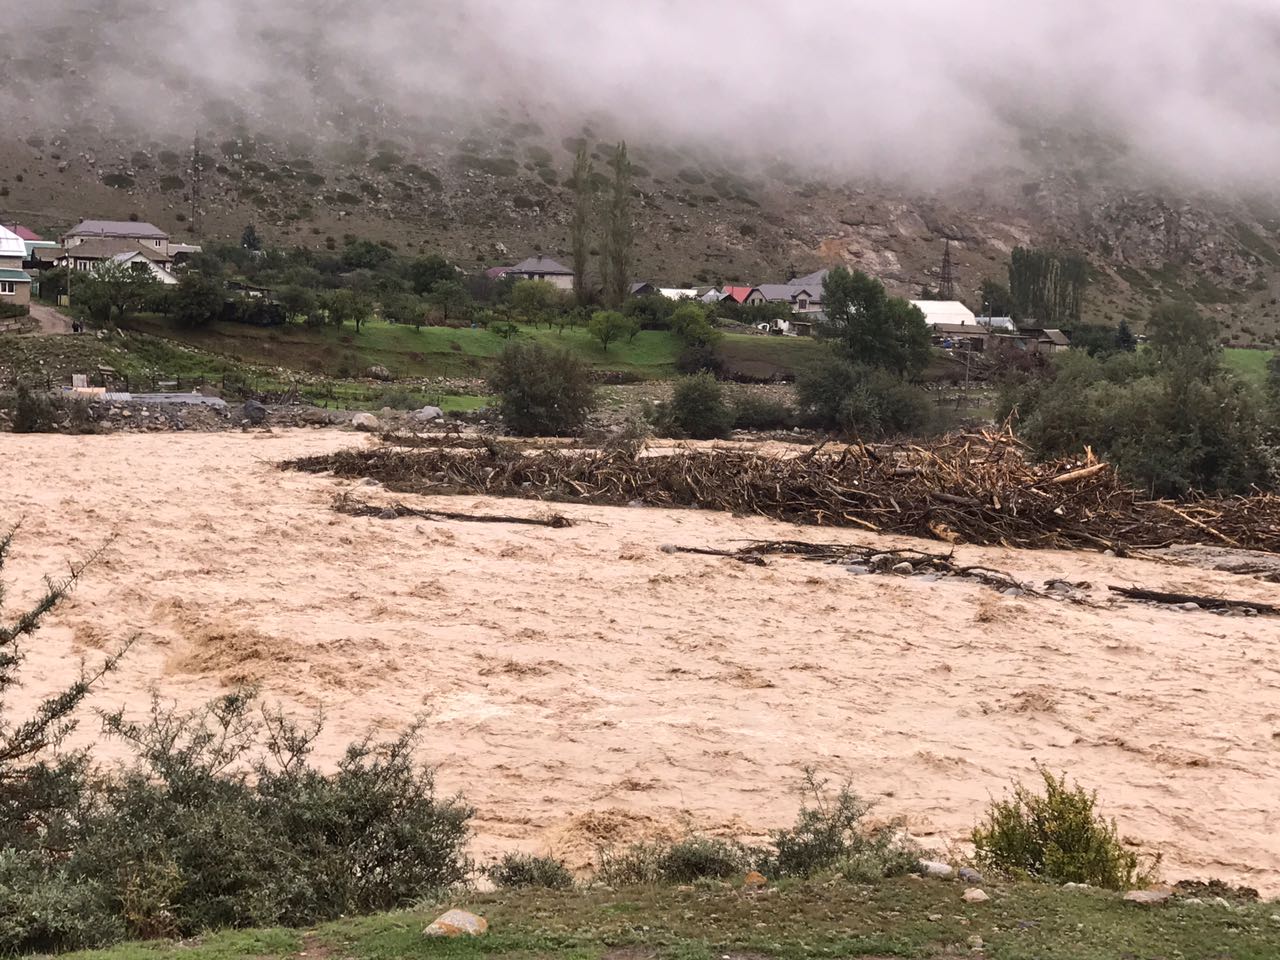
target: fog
913 88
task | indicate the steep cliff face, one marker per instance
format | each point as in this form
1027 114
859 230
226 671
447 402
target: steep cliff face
496 190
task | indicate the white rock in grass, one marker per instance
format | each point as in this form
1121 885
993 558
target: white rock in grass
457 923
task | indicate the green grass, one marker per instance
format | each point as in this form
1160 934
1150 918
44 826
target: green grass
1249 365
766 357
796 920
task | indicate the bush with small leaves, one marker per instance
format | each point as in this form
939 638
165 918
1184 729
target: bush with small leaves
861 401
1058 836
518 870
542 391
752 412
697 410
831 833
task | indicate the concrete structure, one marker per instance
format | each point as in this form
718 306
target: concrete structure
945 311
15 282
543 268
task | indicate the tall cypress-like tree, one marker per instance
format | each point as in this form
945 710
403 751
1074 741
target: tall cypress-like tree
619 234
1047 287
580 228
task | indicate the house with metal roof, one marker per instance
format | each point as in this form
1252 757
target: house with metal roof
87 254
800 298
146 234
543 268
945 311
15 283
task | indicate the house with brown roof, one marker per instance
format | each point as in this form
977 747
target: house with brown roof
88 254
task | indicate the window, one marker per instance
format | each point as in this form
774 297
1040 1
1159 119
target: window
8 287
802 303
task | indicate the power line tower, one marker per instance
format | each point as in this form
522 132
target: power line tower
197 188
947 281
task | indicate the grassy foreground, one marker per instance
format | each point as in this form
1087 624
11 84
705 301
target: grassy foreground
899 918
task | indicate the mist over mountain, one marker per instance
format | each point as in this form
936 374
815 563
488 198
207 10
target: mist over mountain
769 136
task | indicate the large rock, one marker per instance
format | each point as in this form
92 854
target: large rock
936 868
254 412
426 415
378 372
457 923
366 422
1148 897
754 879
970 875
975 895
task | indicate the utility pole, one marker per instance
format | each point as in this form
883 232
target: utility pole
947 282
197 188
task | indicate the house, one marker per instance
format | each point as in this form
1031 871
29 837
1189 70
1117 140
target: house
999 323
678 293
951 312
816 279
249 290
711 296
1046 340
960 336
800 298
87 254
15 283
145 234
643 289
543 268
736 294
140 262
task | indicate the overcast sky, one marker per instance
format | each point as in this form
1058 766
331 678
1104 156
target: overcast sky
864 86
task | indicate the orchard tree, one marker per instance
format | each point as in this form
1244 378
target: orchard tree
451 299
348 306
608 326
197 300
537 301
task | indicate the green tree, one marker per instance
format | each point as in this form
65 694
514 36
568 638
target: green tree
112 288
610 325
348 306
860 401
996 299
580 226
451 299
698 409
619 232
537 301
1047 287
249 238
1182 337
872 328
196 300
425 272
298 302
689 322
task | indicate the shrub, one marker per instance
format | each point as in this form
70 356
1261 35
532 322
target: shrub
541 390
697 410
684 861
699 358
36 411
221 821
753 412
861 401
517 870
830 833
1058 837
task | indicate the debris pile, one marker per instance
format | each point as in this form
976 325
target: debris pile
966 488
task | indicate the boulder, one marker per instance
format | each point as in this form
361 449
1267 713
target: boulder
975 895
1148 897
936 868
457 923
970 875
426 415
254 412
904 569
379 372
366 422
754 879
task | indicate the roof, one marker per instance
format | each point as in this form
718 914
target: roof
541 264
786 291
11 245
117 228
636 288
960 329
108 248
674 293
15 276
815 279
1056 337
25 233
944 311
737 294
497 273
